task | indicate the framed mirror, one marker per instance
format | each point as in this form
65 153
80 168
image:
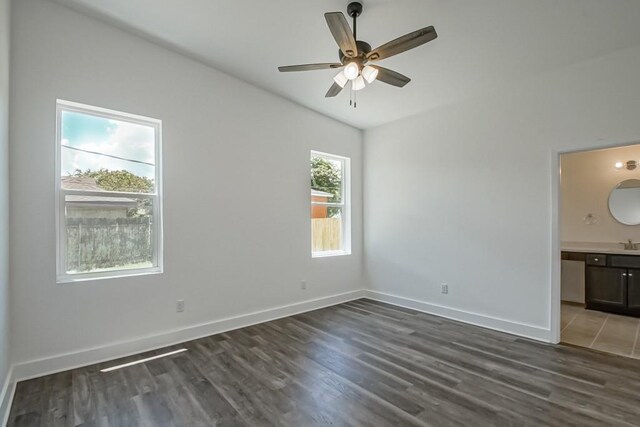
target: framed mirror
624 202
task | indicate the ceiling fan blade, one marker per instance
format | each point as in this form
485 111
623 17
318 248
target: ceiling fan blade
391 77
333 90
402 44
342 33
309 67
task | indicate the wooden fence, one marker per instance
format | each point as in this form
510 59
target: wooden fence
326 234
96 243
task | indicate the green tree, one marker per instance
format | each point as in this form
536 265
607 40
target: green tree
327 177
121 180
126 181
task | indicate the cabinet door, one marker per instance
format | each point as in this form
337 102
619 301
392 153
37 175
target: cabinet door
606 285
633 289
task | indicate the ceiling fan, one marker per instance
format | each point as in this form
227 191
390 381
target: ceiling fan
356 56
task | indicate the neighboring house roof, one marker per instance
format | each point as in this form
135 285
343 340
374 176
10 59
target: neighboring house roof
89 184
318 193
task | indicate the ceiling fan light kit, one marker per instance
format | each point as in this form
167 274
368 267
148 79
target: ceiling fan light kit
355 55
369 73
341 79
358 83
351 70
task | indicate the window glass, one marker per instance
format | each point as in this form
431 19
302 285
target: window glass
329 210
119 155
109 201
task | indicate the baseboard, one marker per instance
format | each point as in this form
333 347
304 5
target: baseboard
6 397
63 362
574 303
502 325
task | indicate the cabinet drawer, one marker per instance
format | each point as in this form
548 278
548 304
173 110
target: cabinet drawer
596 259
625 261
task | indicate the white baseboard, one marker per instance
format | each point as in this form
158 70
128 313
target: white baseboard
63 362
502 325
6 397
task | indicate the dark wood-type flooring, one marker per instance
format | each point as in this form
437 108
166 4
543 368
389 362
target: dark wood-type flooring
359 363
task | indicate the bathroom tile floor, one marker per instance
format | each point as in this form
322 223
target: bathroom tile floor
606 332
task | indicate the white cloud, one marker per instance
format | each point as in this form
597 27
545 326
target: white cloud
126 140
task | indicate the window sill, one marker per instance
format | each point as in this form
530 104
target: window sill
326 254
73 278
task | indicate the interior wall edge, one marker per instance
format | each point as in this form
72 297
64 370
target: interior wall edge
63 362
6 393
6 397
502 325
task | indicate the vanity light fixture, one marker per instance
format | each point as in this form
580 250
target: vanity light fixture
629 165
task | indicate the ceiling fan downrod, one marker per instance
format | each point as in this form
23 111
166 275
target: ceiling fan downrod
354 9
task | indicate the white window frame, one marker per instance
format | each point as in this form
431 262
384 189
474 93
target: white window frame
61 275
345 205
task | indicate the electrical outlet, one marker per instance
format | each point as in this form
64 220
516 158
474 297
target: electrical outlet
444 288
180 306
303 285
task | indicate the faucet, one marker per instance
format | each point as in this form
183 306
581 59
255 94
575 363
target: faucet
629 245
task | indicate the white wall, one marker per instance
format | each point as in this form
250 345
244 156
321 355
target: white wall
464 194
587 180
236 181
4 199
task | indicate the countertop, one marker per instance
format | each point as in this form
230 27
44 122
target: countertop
597 248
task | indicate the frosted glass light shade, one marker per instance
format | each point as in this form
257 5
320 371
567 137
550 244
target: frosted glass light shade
358 83
369 73
341 79
351 71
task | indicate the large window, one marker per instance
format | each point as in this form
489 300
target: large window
330 205
108 187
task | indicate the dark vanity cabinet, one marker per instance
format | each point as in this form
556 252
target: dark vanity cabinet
606 287
633 290
613 283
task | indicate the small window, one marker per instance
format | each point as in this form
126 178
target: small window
330 205
108 191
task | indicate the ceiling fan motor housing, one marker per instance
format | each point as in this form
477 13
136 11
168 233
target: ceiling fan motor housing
363 49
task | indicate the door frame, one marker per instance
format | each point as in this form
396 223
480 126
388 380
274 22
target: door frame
556 231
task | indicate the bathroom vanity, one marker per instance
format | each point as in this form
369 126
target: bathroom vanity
612 280
604 275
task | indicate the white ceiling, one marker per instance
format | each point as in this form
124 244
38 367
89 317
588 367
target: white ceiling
482 45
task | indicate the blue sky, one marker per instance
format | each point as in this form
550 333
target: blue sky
102 135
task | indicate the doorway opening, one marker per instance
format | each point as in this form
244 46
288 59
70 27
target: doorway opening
598 221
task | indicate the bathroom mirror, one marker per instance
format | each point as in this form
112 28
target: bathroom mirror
624 202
